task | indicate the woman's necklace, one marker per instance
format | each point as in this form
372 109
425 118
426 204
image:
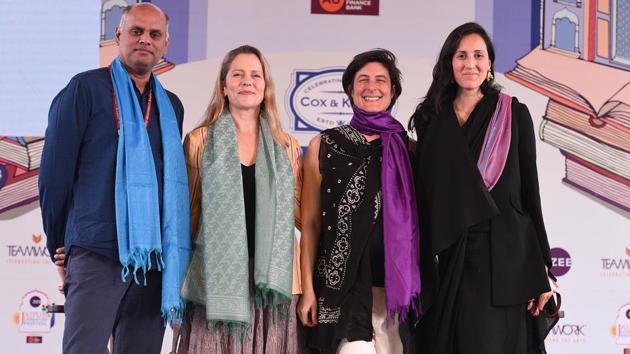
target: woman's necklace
461 114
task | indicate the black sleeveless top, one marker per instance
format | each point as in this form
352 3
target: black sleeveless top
350 256
249 196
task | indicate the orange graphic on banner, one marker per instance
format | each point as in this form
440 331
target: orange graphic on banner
331 5
37 238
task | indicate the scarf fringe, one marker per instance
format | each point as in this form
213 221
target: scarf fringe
229 328
264 296
141 259
403 311
280 303
173 315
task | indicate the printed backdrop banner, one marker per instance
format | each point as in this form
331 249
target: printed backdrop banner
568 61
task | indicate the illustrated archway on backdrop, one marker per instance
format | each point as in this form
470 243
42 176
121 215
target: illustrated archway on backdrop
565 28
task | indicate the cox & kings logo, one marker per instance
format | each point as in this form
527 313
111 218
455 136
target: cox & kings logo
561 261
316 100
616 267
31 317
34 252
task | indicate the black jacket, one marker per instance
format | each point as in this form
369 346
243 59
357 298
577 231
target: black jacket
452 197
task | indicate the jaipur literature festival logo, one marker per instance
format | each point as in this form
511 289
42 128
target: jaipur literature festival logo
316 100
33 251
621 328
31 319
617 266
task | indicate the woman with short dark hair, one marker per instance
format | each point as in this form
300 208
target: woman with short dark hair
360 273
485 271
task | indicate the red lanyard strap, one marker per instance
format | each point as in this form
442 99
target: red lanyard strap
147 113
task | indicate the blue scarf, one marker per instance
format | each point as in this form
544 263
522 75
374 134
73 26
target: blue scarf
144 235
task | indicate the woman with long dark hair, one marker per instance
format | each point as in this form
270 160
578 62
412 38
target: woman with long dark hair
485 277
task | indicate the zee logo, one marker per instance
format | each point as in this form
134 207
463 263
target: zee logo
560 261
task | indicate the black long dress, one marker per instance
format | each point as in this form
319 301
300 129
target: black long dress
457 213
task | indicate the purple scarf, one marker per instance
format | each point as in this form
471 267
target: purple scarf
400 217
496 144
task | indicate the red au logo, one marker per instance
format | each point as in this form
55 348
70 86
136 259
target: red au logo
331 5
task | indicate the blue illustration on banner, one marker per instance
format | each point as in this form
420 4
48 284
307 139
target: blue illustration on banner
316 100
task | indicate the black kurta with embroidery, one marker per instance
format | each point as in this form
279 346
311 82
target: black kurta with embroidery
350 259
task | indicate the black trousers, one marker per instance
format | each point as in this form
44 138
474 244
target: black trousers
99 304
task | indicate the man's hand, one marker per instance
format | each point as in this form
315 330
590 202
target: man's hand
62 275
60 256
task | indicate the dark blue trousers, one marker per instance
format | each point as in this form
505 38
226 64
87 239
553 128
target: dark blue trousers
99 304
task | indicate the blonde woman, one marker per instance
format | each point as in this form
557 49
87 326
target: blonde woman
245 181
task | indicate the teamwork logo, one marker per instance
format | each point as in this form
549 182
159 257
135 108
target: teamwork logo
621 329
561 261
574 333
31 317
316 100
33 252
616 267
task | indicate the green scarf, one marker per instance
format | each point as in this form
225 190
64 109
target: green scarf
218 275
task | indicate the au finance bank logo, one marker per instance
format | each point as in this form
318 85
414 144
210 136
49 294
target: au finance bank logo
33 251
316 100
345 7
616 267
